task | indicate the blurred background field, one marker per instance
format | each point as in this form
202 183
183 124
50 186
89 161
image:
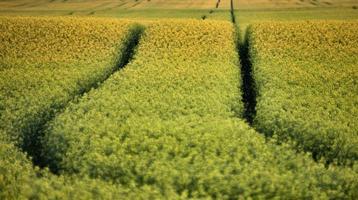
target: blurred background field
247 11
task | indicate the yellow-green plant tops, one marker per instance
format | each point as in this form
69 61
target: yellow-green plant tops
170 121
306 77
45 62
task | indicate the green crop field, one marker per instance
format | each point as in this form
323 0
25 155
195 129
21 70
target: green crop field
307 86
178 99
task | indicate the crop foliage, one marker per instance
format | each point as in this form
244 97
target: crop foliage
171 121
306 80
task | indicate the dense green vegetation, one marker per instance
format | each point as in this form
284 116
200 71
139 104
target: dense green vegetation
307 86
169 120
174 123
46 62
20 180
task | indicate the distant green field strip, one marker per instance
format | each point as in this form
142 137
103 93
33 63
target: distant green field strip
277 4
46 62
219 14
306 79
169 121
250 16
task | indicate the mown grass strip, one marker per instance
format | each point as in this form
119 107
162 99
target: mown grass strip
46 62
305 74
169 121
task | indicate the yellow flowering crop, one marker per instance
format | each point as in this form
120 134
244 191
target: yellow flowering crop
170 121
45 62
306 76
167 126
